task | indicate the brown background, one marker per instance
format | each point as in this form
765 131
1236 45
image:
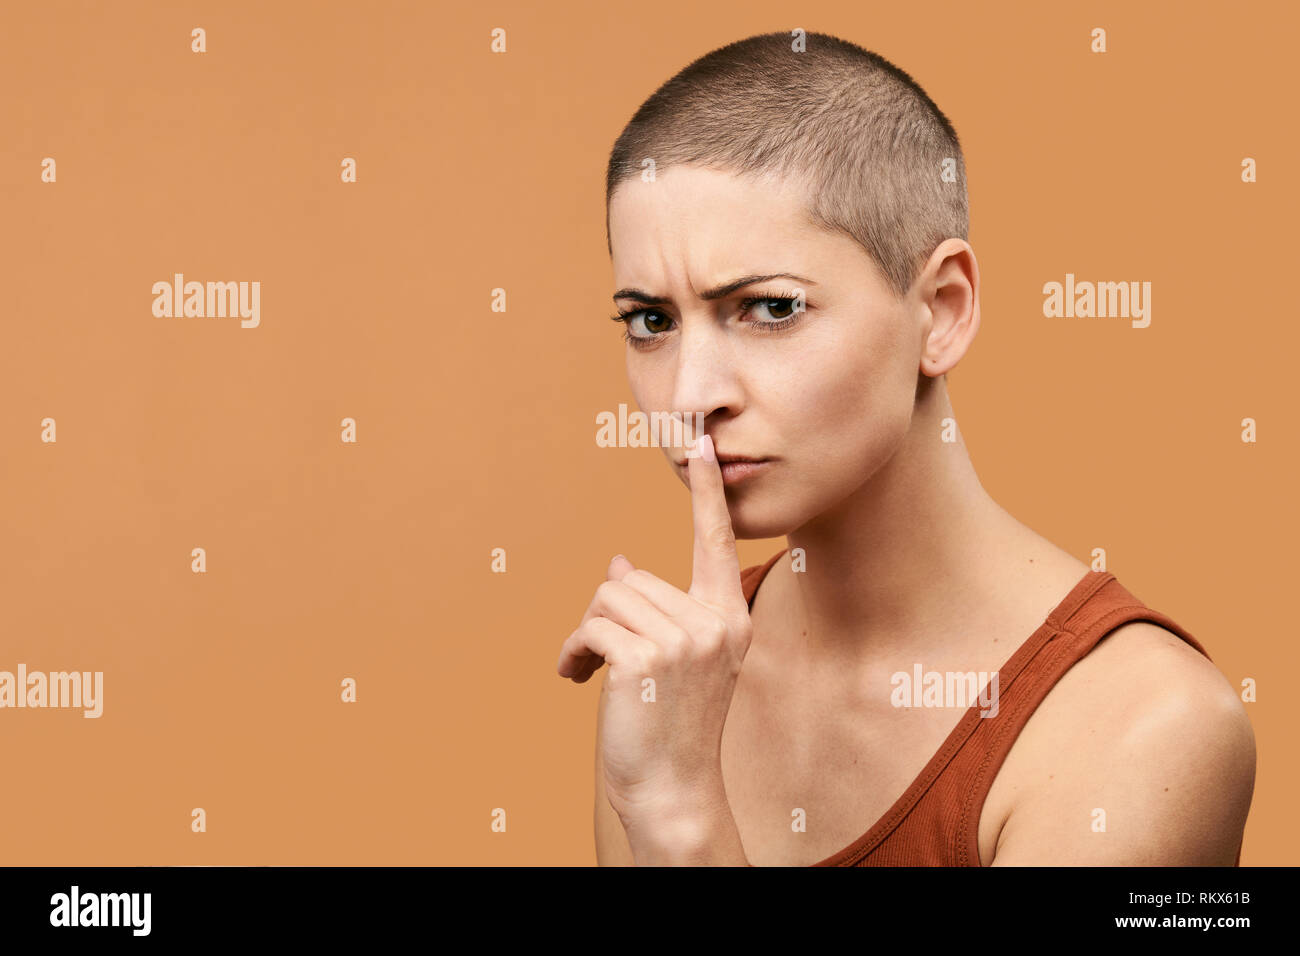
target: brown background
476 429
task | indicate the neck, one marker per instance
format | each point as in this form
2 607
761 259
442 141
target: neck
908 551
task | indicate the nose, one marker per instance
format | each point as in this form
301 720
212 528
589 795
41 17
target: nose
707 385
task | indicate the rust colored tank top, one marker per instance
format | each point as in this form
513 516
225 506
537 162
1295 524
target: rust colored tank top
936 820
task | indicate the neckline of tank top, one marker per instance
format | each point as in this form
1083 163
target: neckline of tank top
1084 588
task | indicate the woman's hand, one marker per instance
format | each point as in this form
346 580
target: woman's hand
673 662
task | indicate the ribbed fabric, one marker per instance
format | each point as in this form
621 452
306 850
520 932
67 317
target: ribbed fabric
936 820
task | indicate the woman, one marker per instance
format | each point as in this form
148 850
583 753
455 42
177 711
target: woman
787 222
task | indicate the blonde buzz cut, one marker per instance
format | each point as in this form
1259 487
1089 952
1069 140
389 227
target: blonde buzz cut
881 162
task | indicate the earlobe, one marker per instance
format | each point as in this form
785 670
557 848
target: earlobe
932 369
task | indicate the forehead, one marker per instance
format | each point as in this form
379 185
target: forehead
695 224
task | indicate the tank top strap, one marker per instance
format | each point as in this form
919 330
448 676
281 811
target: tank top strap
751 577
936 821
1107 606
1097 605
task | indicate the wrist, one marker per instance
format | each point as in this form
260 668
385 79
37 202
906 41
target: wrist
692 829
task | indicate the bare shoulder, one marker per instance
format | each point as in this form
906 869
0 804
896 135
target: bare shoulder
1141 754
1145 664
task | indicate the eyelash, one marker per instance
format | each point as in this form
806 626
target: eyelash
641 341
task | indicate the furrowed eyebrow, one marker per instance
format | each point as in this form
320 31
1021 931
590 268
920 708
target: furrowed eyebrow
645 298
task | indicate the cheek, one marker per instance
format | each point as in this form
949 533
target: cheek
651 389
644 384
856 409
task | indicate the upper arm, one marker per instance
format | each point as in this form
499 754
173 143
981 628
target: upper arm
612 847
1154 767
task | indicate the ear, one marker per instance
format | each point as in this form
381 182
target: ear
949 286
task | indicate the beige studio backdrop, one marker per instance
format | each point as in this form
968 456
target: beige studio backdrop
230 518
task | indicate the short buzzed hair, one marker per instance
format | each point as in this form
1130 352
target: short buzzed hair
869 142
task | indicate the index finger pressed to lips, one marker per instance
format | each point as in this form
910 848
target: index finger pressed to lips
715 575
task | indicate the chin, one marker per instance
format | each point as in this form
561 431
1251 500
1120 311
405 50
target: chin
763 516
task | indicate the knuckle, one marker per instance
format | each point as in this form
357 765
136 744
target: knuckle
716 631
711 634
676 643
744 630
649 658
638 576
606 592
720 536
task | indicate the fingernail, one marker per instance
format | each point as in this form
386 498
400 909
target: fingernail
616 557
706 448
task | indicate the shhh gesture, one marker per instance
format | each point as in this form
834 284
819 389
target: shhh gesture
673 662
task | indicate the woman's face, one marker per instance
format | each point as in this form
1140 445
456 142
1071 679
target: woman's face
824 394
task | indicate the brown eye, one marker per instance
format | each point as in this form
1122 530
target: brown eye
773 312
645 325
779 312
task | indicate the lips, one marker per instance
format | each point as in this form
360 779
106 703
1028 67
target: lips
735 469
724 458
